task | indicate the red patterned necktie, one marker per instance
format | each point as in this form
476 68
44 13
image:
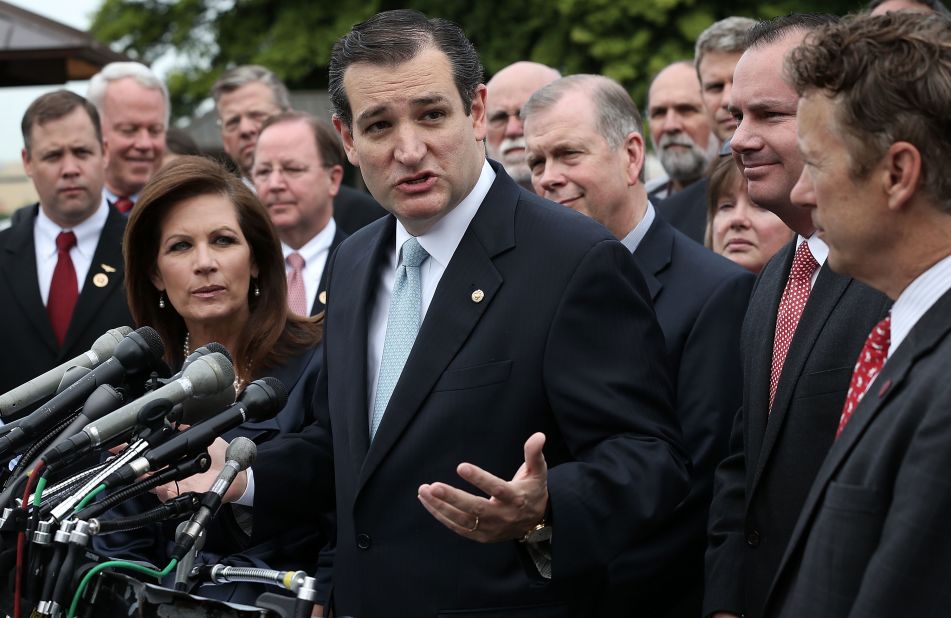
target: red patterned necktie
296 297
791 306
124 205
64 290
870 362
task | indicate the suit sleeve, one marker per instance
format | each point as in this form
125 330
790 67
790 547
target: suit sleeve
606 377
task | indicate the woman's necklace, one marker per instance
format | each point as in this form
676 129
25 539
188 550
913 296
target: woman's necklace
238 381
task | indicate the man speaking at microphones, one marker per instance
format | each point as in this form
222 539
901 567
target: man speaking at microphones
61 274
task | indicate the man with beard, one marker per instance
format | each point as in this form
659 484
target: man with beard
680 129
508 91
134 107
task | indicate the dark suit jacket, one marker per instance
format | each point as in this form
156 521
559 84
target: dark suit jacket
25 331
354 209
700 299
318 306
761 485
686 210
872 538
564 342
295 547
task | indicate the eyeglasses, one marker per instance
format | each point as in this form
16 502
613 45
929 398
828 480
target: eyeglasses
233 123
500 119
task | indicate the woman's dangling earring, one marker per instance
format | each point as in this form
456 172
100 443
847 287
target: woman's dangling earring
257 290
161 300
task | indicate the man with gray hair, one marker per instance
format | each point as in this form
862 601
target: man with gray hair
245 98
585 151
134 106
716 53
507 92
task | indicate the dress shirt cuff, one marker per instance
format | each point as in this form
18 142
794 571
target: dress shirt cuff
247 498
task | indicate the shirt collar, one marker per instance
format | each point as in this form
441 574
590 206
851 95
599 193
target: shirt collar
635 236
916 299
87 233
111 197
441 240
316 245
817 247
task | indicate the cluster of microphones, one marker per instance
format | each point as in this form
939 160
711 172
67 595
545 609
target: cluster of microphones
104 428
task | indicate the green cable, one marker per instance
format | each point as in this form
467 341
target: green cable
95 492
38 492
125 564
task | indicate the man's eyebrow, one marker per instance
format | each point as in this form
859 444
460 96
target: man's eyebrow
420 101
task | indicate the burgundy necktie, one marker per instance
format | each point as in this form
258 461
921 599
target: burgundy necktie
791 306
296 296
64 290
870 362
124 205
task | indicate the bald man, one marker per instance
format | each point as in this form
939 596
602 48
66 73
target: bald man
507 93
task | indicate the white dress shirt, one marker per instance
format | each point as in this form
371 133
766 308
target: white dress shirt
44 242
111 197
633 239
315 253
916 299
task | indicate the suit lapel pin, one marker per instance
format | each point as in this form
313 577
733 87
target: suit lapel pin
100 280
322 297
108 269
477 296
884 389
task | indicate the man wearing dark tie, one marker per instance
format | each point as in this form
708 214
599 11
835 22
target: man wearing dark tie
134 108
872 538
61 262
585 149
494 417
803 330
298 166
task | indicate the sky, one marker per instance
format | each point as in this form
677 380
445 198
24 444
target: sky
75 13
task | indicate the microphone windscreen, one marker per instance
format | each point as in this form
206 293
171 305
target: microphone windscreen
214 346
280 391
152 340
242 451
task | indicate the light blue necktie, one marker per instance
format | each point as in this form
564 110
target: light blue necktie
402 325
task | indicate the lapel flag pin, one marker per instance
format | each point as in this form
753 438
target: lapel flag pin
108 269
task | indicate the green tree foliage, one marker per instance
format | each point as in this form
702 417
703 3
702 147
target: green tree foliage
628 40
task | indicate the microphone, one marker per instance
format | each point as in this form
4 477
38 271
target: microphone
239 456
207 375
136 351
44 385
261 399
184 568
195 410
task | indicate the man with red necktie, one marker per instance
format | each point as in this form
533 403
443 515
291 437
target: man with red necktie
872 536
61 261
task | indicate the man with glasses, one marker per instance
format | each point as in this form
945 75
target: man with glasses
298 166
247 96
508 91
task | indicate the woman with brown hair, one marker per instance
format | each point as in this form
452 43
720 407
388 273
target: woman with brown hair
737 228
204 264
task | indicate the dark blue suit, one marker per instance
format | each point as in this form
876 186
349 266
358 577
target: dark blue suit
700 299
563 341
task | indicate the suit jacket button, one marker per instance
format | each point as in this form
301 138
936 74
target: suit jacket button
363 541
752 538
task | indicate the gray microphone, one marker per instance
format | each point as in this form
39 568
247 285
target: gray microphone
184 568
207 375
46 384
239 456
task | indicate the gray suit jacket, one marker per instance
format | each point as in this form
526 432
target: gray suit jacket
873 536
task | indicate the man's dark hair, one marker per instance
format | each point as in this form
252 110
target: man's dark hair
772 30
328 143
391 38
53 106
178 141
935 5
889 77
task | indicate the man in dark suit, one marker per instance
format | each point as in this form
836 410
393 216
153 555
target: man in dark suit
585 149
298 166
872 538
61 263
803 330
537 355
246 96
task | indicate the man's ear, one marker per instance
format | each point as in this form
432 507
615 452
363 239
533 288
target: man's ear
634 147
346 136
478 113
901 177
27 162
